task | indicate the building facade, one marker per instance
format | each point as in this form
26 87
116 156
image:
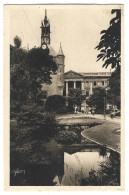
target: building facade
86 82
63 81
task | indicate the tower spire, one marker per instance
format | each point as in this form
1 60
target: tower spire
45 13
60 53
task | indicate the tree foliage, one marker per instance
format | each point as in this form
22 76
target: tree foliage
55 103
115 89
17 56
76 96
97 99
110 42
17 42
40 123
41 65
19 86
28 71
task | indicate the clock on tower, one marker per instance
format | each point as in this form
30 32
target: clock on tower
44 46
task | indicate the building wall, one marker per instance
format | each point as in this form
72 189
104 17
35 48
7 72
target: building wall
57 85
51 89
87 84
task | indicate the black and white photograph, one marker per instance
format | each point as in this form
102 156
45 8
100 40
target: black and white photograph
65 105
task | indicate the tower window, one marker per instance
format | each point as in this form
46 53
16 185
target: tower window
102 83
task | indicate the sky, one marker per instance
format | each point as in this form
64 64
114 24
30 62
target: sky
76 27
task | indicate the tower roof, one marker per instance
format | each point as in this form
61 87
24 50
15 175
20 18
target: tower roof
60 53
46 20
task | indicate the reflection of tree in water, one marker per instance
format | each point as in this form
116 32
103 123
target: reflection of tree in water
108 173
44 166
103 152
43 163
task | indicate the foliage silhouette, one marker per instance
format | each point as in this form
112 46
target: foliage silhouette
97 99
114 93
55 103
110 42
17 42
76 97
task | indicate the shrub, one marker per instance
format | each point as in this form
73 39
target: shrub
67 137
55 103
40 124
65 110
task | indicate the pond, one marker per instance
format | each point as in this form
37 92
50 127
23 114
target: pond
69 165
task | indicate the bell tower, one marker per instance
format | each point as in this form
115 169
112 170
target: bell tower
45 30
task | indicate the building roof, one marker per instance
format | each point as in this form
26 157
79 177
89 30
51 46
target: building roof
77 75
96 73
52 51
72 73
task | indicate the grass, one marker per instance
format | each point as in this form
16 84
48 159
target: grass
105 134
70 121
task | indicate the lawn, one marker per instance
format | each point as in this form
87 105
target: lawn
70 121
106 134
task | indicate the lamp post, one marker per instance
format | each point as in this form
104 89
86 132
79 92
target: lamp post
104 107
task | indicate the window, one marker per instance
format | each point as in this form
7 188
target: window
94 83
87 93
102 83
44 94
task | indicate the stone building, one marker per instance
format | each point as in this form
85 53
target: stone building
62 82
86 82
57 86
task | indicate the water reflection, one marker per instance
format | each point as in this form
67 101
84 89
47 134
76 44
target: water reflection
67 165
77 166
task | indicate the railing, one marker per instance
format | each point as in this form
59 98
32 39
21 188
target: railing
97 74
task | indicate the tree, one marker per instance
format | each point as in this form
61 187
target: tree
114 93
110 43
17 42
76 97
19 87
41 66
28 71
97 99
55 103
17 56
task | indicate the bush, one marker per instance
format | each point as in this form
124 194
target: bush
67 137
27 137
55 103
40 124
64 110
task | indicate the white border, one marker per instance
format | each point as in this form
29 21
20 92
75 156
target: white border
126 11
